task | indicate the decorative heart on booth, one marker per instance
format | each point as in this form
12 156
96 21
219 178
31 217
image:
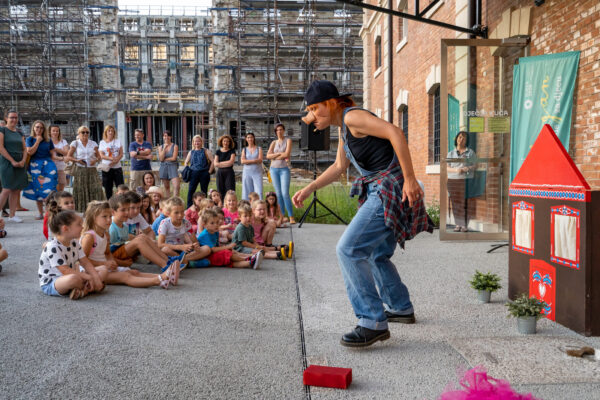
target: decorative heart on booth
542 290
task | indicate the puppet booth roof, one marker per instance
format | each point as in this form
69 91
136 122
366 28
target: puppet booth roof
549 172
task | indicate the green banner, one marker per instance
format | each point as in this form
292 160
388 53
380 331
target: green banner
542 94
453 120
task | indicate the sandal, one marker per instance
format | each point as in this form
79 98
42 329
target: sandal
290 249
173 273
77 294
163 283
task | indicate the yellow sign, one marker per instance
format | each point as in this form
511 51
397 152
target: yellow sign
499 124
476 124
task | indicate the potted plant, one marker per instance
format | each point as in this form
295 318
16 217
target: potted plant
485 284
527 310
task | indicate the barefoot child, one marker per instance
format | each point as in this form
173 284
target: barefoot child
123 249
273 210
59 269
174 238
243 237
223 256
264 231
96 245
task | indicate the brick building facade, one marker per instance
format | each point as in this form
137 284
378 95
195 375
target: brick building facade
553 27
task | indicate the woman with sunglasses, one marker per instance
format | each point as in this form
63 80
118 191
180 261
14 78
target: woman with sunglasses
12 164
391 210
86 182
44 175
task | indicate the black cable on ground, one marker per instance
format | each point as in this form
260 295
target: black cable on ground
300 321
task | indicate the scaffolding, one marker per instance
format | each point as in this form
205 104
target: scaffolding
46 71
268 53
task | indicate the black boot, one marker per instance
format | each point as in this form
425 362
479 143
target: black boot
403 319
363 337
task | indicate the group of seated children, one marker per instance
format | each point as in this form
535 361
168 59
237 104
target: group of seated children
86 253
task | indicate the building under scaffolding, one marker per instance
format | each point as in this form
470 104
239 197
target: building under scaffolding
190 70
52 61
265 54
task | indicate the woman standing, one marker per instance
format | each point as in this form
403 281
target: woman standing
201 163
252 175
86 183
12 164
169 167
111 153
224 160
380 153
279 154
459 170
42 169
61 149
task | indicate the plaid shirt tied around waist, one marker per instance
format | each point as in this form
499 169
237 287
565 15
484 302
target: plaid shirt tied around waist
406 222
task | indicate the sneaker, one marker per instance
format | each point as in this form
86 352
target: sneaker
363 337
403 319
256 259
15 219
290 247
281 254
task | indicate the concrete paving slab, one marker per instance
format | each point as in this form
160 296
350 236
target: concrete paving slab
530 360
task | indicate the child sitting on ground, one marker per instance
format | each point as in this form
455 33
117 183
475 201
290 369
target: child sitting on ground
125 250
122 189
146 210
273 210
163 215
193 213
137 224
264 230
59 268
96 246
174 238
215 196
204 205
156 195
252 197
224 235
243 237
64 200
223 256
230 211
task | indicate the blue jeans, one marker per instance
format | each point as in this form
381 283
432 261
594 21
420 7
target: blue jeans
281 182
364 253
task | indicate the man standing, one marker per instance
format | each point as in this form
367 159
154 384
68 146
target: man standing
140 152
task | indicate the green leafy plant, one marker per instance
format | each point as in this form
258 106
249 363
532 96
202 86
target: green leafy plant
433 210
489 281
525 306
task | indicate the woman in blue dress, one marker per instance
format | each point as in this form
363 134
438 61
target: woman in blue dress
44 175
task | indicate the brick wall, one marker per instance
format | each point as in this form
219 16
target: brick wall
556 26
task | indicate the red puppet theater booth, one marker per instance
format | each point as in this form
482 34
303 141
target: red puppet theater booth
555 236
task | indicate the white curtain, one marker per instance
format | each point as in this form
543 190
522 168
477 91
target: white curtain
565 237
523 228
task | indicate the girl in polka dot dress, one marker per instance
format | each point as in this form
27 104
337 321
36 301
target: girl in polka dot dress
64 268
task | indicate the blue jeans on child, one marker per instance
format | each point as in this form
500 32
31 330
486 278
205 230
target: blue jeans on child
281 182
364 253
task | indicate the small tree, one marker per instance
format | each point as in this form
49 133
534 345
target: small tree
489 281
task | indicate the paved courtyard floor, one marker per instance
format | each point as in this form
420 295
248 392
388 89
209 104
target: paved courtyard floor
243 334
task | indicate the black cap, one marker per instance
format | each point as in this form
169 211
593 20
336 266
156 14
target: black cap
319 91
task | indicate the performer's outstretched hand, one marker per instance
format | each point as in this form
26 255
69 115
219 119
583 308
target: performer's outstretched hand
300 196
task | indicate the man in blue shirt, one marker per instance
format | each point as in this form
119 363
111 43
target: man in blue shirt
140 152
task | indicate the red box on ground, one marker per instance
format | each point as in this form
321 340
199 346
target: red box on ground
333 377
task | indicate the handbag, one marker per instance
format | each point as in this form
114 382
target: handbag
186 174
103 167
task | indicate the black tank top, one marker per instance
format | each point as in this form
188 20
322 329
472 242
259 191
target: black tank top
370 152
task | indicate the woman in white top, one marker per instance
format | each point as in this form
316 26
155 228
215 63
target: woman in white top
86 182
279 154
111 153
61 149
